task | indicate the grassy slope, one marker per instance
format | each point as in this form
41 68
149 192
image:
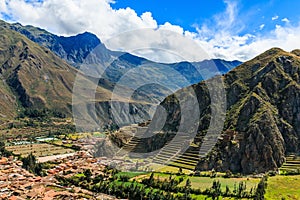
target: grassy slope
283 187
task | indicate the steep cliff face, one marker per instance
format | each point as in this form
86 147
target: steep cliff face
263 114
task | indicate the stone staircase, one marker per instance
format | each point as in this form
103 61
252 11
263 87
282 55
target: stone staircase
179 152
173 149
136 142
191 156
187 159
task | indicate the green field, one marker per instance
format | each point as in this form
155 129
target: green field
283 187
130 174
206 182
166 168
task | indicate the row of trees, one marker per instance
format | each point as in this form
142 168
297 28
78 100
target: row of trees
119 186
155 188
41 113
171 185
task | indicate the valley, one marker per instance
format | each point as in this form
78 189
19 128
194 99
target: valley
68 134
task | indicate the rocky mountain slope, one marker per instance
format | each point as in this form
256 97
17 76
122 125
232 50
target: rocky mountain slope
73 49
263 114
32 77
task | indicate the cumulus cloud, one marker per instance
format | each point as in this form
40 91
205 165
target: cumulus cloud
275 17
72 16
285 20
222 36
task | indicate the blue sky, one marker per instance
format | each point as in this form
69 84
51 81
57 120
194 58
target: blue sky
190 13
185 14
227 29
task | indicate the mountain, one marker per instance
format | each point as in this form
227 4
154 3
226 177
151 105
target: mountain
32 77
128 78
87 50
73 49
262 114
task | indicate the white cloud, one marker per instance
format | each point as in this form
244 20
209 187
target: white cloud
275 17
170 27
3 7
72 16
225 41
221 36
261 27
285 20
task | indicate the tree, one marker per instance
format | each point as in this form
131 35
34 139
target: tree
30 164
213 173
88 174
227 191
241 189
124 178
179 171
187 187
261 189
151 179
216 189
228 174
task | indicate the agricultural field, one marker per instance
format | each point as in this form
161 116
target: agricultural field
167 169
39 150
283 187
206 182
26 128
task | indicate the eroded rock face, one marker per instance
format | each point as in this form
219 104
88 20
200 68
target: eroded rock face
263 106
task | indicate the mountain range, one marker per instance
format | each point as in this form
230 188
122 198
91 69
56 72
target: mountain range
39 69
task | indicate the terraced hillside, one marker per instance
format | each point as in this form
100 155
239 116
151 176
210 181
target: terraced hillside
292 164
262 118
132 133
262 109
173 154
